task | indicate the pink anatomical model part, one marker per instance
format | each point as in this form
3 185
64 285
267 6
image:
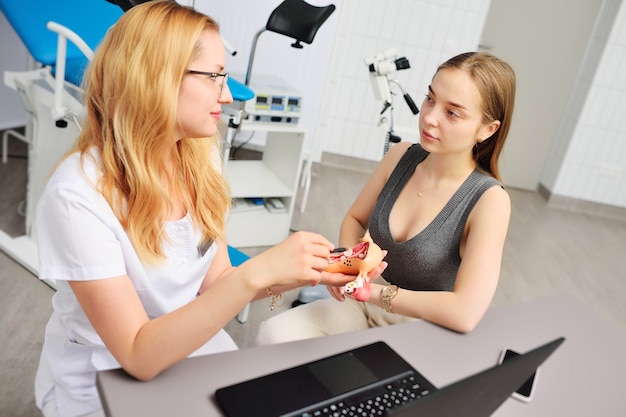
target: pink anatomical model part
359 260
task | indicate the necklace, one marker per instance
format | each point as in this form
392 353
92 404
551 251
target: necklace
422 191
439 184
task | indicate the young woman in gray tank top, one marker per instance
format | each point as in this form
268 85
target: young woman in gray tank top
438 208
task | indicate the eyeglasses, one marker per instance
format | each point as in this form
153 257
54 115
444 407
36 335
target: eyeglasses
213 76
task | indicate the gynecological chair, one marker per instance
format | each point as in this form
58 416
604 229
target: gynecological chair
51 90
295 19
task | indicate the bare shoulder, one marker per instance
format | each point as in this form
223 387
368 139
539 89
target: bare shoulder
391 158
494 203
399 149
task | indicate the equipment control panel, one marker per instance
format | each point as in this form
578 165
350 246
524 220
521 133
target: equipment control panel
275 101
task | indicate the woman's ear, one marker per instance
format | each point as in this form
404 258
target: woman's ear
488 130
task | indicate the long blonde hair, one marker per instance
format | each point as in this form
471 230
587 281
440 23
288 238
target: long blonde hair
131 90
495 80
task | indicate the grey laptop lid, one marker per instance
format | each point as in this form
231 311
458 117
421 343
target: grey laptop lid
482 393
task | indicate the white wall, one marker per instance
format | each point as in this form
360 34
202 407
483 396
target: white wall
14 58
587 160
546 63
427 32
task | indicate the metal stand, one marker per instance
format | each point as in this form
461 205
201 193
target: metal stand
387 121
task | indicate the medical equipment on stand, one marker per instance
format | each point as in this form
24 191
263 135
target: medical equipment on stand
380 67
298 20
275 101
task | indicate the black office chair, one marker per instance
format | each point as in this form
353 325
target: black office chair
296 19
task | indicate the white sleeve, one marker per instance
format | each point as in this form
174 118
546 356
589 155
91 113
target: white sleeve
78 236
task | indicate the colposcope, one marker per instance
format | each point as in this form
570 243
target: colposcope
381 66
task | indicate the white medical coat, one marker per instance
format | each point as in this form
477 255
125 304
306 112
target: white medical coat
79 238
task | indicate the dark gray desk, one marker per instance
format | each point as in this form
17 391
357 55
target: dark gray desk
585 377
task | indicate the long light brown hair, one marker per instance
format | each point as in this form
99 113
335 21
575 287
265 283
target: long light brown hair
131 91
495 80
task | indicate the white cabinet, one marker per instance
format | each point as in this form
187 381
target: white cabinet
274 176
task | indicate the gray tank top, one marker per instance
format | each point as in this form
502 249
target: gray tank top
430 260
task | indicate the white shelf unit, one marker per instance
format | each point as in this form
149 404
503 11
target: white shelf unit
274 176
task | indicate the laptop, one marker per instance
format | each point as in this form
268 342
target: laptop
374 380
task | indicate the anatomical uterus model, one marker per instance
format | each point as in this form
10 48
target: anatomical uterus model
359 261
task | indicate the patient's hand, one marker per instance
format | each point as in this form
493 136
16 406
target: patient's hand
335 279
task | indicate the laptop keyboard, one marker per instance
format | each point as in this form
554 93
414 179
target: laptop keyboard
374 402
